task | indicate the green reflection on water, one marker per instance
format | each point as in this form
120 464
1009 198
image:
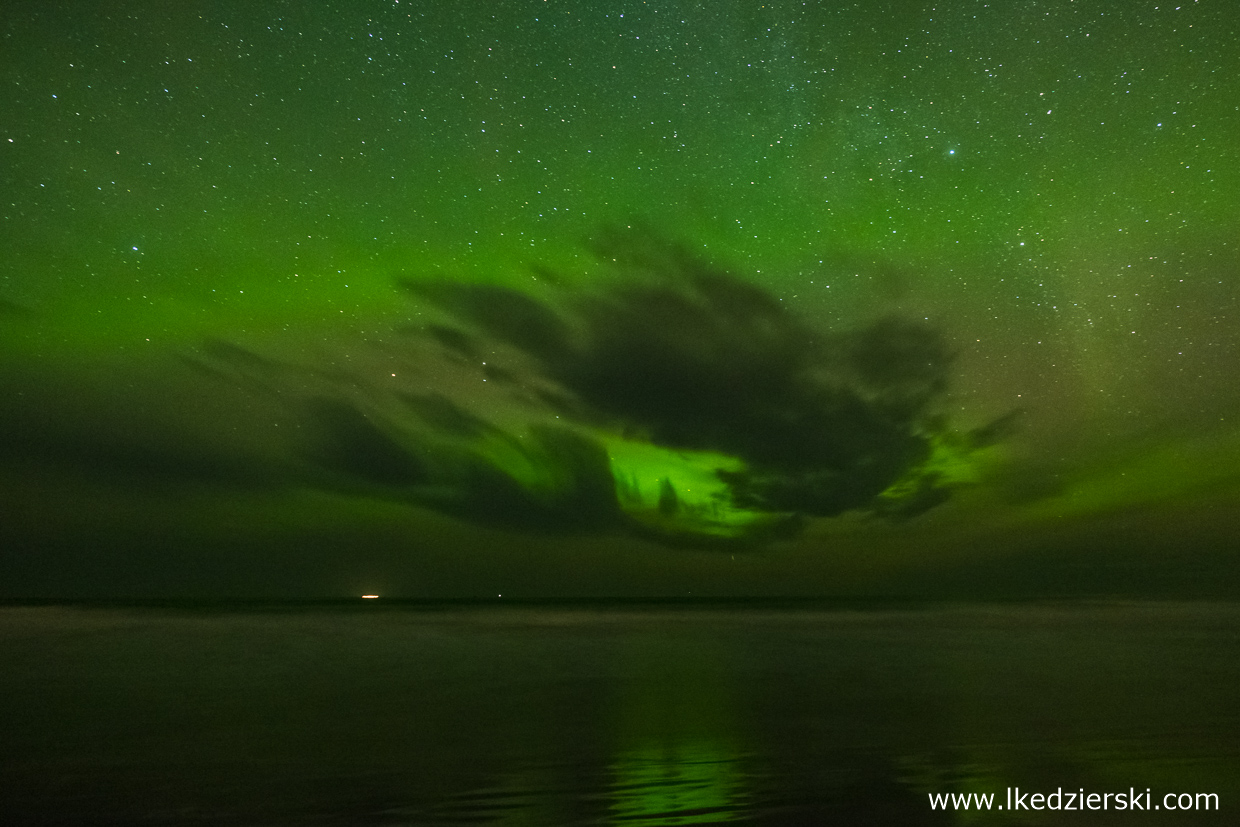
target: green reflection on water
677 754
684 782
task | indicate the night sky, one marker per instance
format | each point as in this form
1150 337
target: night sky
551 299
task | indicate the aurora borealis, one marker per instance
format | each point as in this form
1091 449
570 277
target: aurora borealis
282 284
735 412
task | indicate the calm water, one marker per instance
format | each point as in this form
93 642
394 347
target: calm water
560 716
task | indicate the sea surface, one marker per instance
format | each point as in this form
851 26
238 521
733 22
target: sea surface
395 714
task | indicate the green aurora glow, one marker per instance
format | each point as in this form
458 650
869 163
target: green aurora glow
208 216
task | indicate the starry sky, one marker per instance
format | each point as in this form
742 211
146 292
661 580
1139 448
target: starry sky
258 257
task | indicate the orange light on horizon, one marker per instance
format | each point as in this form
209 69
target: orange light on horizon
370 596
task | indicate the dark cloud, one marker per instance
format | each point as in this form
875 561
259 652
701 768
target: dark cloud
502 312
689 357
673 400
520 401
457 463
345 440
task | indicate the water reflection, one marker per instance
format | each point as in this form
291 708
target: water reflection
677 783
676 730
610 718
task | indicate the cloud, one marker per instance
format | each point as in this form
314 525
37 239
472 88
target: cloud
550 479
685 357
672 400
